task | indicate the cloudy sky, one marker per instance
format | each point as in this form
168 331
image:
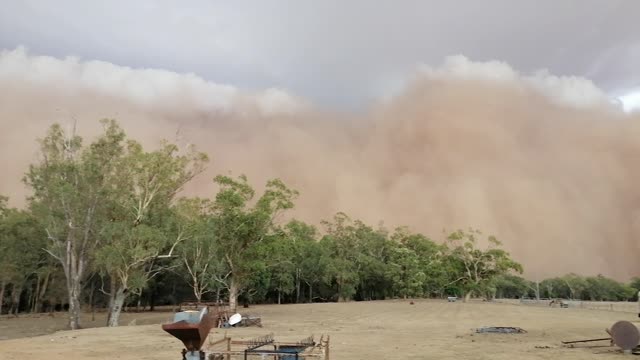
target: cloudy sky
479 137
336 53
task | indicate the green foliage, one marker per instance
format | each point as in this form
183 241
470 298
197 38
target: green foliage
139 211
635 285
310 259
126 250
512 286
341 242
108 212
596 288
199 254
21 242
431 261
477 268
239 226
602 288
73 189
102 205
404 272
3 204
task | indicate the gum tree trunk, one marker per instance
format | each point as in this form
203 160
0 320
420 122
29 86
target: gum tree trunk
37 306
74 306
116 307
15 299
233 294
74 267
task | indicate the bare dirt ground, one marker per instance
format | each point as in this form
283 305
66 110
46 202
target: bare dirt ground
358 330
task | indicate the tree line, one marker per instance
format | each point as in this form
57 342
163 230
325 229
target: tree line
570 286
105 226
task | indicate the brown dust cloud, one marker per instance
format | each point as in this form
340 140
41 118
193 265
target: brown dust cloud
547 164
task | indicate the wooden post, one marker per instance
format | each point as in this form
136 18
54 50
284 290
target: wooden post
228 347
326 354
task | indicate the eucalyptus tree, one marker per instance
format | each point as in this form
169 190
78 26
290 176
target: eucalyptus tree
241 222
21 254
476 268
199 253
137 234
72 186
341 243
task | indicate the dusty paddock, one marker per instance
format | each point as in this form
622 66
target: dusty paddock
363 330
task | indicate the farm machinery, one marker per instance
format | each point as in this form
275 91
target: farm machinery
193 329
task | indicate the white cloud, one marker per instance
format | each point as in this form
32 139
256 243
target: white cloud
566 90
571 90
146 87
461 67
631 101
275 101
164 89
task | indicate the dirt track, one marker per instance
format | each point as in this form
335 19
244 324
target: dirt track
365 330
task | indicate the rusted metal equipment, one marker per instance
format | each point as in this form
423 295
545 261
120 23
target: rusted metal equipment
192 328
250 320
584 341
266 347
194 305
625 335
622 334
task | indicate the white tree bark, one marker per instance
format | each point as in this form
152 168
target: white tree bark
233 294
116 307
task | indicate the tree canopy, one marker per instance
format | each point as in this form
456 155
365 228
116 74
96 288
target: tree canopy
108 225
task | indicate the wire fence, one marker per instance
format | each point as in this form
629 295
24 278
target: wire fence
618 306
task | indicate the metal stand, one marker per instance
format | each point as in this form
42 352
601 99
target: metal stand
193 355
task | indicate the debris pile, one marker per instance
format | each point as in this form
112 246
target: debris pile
501 330
237 320
222 314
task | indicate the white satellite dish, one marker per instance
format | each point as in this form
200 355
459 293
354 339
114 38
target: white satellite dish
234 319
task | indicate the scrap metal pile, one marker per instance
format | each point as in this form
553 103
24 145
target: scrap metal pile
223 316
266 346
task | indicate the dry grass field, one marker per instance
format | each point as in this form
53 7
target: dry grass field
359 330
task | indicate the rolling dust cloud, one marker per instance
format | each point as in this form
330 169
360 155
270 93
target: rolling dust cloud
547 164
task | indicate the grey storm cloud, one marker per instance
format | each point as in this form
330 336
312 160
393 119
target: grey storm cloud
491 114
342 53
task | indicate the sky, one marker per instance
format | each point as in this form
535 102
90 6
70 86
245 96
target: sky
497 115
341 54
